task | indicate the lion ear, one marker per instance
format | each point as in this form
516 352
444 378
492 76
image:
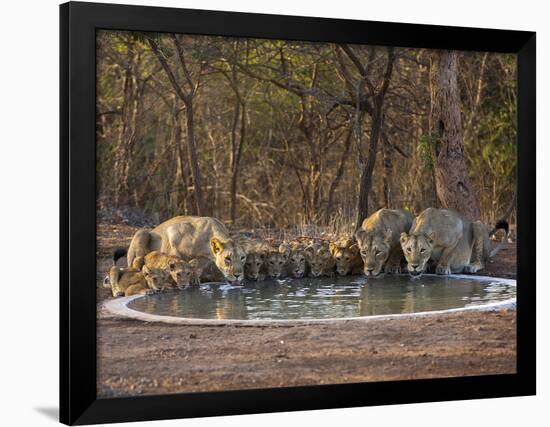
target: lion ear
332 248
284 249
404 237
216 246
388 235
360 234
146 270
194 263
354 248
430 237
172 265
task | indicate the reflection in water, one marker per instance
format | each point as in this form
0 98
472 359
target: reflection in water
318 298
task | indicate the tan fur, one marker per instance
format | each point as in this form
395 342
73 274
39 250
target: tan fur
447 239
295 252
193 237
319 259
346 256
132 281
181 272
256 253
275 261
378 240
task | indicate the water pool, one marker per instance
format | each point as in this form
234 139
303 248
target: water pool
326 298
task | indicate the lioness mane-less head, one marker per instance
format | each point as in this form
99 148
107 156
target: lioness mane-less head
374 249
417 249
230 259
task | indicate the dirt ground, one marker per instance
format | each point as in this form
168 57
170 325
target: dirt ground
140 358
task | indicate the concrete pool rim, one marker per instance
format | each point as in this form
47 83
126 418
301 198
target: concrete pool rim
119 307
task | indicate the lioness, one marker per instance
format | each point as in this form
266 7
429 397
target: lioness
193 237
319 259
181 272
378 240
346 256
448 239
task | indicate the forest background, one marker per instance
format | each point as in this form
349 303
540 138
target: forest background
279 134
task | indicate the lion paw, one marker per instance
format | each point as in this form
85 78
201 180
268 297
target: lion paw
443 269
472 268
393 269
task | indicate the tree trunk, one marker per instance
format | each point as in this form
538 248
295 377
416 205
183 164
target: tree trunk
453 186
193 159
181 176
237 148
388 173
338 176
365 183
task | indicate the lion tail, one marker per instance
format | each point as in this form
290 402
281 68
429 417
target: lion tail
501 224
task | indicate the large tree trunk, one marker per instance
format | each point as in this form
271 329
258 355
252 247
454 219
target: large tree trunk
453 186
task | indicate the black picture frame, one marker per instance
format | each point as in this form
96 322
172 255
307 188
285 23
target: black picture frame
78 25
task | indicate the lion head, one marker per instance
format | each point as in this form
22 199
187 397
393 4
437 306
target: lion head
156 278
417 249
346 255
296 256
254 262
275 262
230 258
374 249
319 259
181 271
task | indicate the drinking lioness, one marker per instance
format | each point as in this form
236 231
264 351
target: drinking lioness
193 237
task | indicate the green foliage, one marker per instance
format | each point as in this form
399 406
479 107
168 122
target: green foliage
426 149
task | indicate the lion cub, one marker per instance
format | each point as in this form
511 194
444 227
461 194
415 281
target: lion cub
181 273
319 259
295 253
275 261
132 281
255 257
347 257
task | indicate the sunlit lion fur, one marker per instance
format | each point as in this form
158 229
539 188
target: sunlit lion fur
181 272
346 256
450 241
132 281
193 237
379 243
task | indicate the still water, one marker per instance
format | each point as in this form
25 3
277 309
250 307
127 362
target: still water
322 298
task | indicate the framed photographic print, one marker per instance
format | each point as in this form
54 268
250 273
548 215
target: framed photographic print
268 213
